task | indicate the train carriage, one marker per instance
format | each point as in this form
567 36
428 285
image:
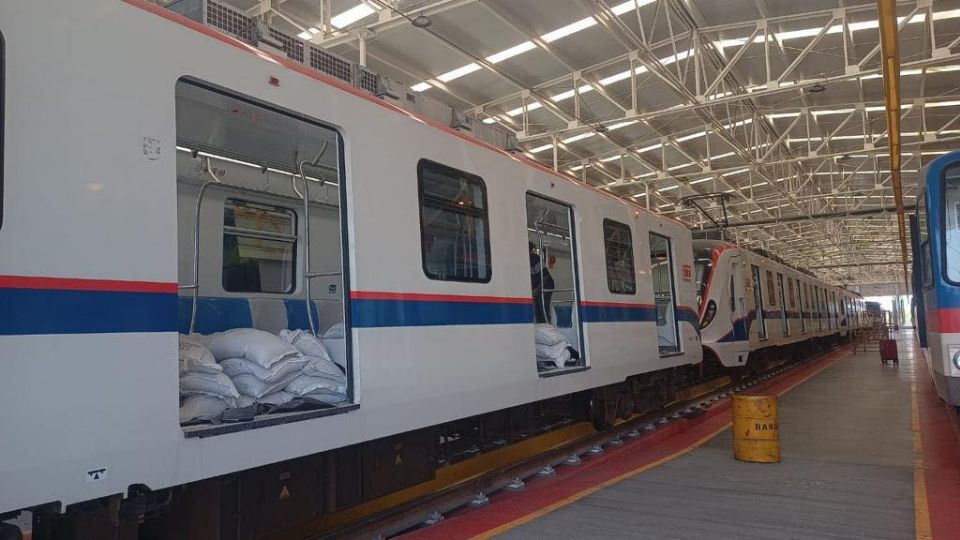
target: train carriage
936 272
752 306
197 185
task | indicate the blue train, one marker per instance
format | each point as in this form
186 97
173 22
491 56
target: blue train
935 239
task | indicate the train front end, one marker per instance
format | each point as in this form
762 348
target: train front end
935 229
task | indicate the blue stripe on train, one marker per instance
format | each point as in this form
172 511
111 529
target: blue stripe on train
57 311
369 313
617 313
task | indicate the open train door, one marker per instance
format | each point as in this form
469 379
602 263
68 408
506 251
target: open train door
739 314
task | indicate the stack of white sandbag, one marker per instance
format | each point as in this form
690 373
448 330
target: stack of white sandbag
205 391
553 349
321 379
244 366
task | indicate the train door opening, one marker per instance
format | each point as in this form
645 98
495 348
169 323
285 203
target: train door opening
555 285
738 310
261 233
784 315
664 294
758 303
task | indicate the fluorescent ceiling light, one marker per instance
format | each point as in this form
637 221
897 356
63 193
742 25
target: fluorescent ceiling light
352 15
610 158
621 125
304 35
420 87
459 72
699 181
835 29
668 188
539 149
579 137
489 120
511 52
571 28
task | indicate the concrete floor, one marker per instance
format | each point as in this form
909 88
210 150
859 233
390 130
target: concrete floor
846 473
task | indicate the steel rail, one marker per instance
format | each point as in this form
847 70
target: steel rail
414 513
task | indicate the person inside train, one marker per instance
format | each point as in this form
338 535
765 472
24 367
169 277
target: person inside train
542 284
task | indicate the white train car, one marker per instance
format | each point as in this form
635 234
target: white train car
751 306
152 183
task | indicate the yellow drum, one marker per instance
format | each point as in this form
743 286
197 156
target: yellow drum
756 429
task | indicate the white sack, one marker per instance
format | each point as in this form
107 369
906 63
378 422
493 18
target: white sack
306 384
547 334
326 396
195 357
211 384
557 361
261 347
276 398
549 352
202 407
250 385
334 332
307 343
322 367
245 401
279 371
337 347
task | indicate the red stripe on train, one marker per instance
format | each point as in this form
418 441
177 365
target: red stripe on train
380 295
944 320
589 303
82 284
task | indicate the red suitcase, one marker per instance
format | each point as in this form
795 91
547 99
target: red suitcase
888 351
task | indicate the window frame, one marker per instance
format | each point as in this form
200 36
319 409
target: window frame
943 228
421 164
673 291
253 233
606 260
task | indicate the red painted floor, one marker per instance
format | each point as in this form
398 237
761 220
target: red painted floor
940 431
571 482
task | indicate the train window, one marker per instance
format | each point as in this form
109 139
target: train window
771 291
454 224
664 297
926 266
733 294
784 320
758 302
703 268
792 293
259 247
618 244
951 223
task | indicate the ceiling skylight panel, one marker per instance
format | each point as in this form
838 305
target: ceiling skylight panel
629 5
354 14
511 52
459 72
569 29
420 87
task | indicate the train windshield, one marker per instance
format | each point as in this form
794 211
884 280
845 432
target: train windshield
703 264
951 222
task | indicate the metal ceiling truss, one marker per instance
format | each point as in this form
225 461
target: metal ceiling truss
788 163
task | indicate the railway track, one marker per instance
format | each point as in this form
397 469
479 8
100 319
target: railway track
475 490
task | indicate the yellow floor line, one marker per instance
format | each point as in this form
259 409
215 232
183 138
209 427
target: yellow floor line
921 510
591 490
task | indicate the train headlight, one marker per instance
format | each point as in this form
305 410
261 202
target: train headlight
956 360
708 314
953 352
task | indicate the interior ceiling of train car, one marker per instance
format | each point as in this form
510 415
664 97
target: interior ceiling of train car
775 107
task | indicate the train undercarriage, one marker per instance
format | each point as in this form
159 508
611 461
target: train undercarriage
307 496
